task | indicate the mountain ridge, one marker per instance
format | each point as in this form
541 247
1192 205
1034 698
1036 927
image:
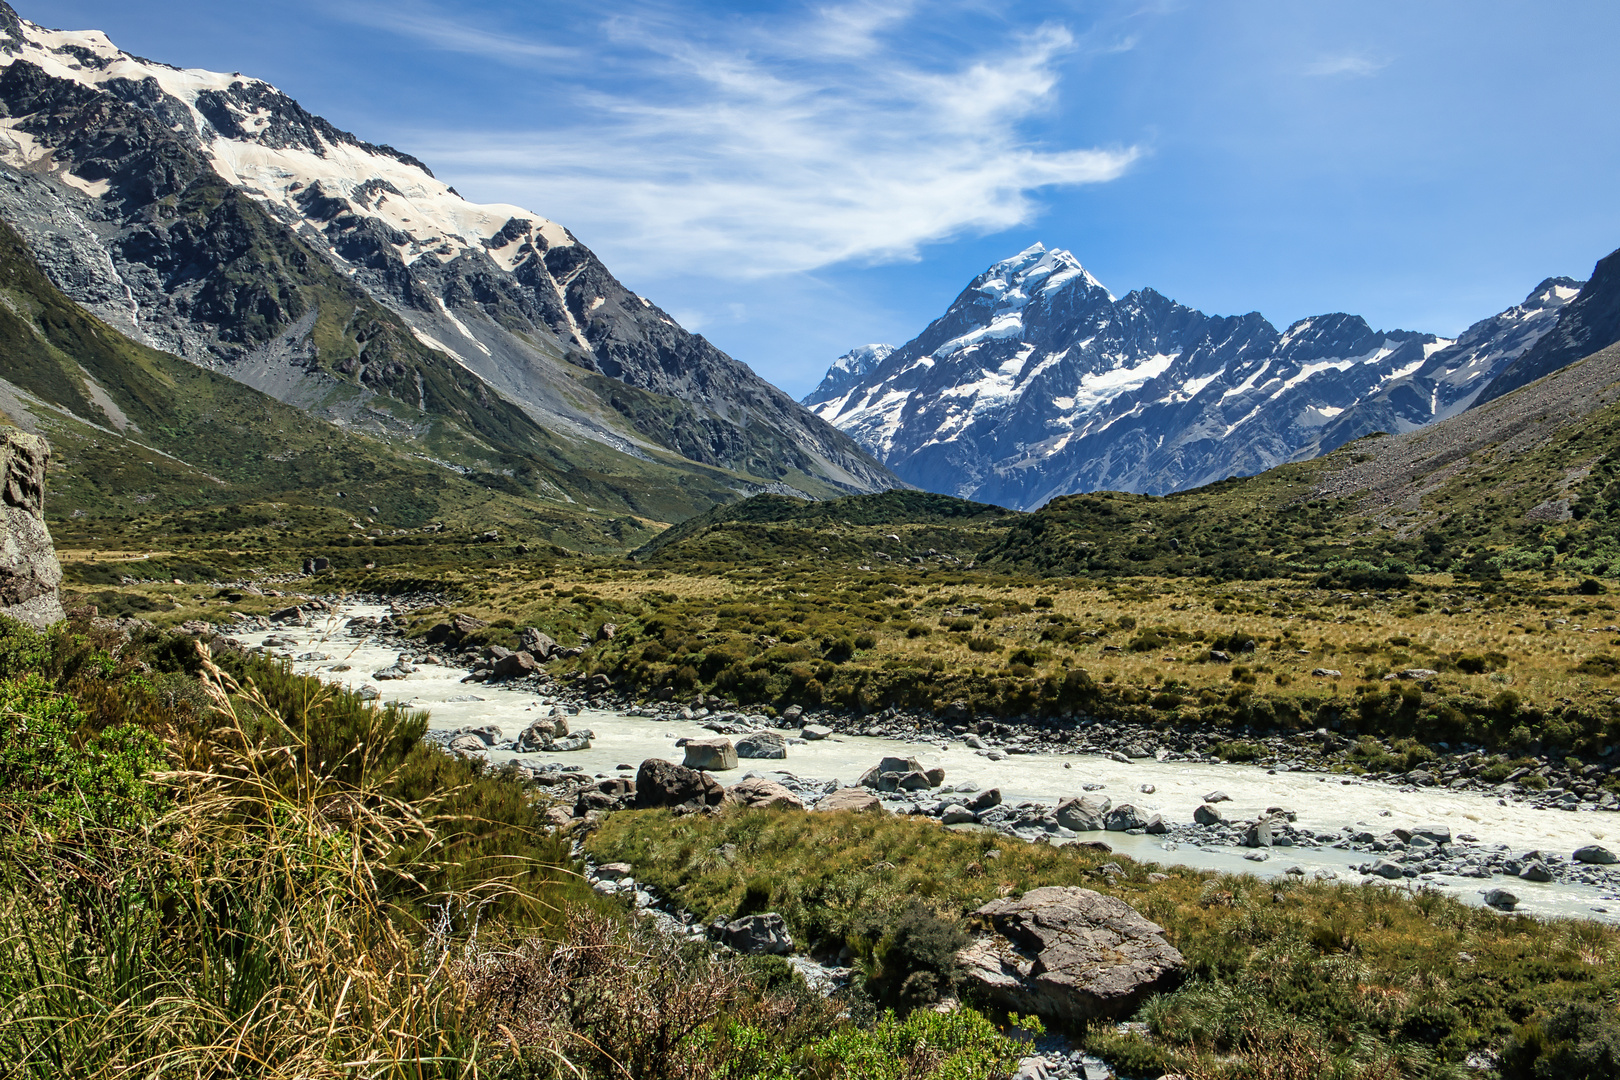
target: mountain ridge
1037 382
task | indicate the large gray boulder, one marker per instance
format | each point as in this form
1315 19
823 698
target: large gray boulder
537 644
661 783
712 755
854 799
29 572
758 935
1081 815
518 665
1125 817
762 744
1596 854
1069 954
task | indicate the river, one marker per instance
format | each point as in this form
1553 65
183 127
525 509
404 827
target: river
1323 802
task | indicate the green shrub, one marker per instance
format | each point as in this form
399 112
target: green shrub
909 958
983 644
1578 1041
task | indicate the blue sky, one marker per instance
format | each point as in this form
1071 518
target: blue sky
794 179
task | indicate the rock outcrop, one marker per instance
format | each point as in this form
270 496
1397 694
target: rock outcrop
1069 954
29 572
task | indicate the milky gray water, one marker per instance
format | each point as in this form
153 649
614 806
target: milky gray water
1323 803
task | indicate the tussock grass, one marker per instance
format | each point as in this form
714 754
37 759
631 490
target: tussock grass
1285 977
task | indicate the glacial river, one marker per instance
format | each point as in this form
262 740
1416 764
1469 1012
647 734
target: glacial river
1323 803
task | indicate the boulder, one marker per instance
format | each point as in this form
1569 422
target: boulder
792 713
536 644
760 793
1217 797
1595 853
538 735
606 631
762 744
453 630
1081 815
957 814
913 781
1385 868
901 765
1208 815
936 777
518 665
1261 833
815 732
713 755
854 799
758 935
580 740
1536 871
1501 899
467 744
29 571
984 800
1156 826
662 783
1070 955
1124 817
1326 673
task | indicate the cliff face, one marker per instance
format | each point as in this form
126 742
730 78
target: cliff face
29 572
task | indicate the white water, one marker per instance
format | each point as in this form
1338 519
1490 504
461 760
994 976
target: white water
1323 803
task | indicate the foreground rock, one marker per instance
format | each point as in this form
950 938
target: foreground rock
759 793
757 935
29 572
662 783
1069 954
851 799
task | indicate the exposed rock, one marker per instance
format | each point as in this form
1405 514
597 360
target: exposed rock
760 793
814 732
1124 817
1069 954
855 799
29 572
714 755
539 735
984 800
1536 871
454 630
1501 899
1595 853
1208 815
536 644
518 665
1081 815
662 783
1217 797
957 814
467 744
1386 868
758 935
762 744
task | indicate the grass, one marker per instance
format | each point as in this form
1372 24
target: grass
1360 980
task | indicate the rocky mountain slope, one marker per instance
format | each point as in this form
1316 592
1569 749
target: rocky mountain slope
1039 382
211 216
1590 322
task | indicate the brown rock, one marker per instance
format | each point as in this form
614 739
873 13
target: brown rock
29 572
1070 954
851 799
716 755
536 644
518 665
663 783
760 793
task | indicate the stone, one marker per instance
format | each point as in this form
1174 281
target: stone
606 631
467 744
760 793
1434 834
762 744
913 781
1596 854
1124 817
1081 815
1325 673
661 783
936 777
792 713
957 814
1069 955
758 935
1217 797
1156 826
1419 674
1259 833
900 765
714 755
580 740
537 644
518 665
984 800
857 800
1535 871
615 871
1384 868
538 735
453 630
815 732
1208 815
1501 899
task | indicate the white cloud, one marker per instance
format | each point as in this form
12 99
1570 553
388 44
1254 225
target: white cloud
1347 64
448 34
762 148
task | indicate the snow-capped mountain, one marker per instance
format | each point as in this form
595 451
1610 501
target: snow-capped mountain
1038 382
210 215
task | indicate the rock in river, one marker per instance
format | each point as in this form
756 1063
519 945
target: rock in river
1069 954
714 755
762 744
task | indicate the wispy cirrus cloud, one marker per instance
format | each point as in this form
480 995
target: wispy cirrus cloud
1351 64
763 146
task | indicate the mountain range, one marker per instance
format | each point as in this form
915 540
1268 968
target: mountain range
210 216
1039 382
